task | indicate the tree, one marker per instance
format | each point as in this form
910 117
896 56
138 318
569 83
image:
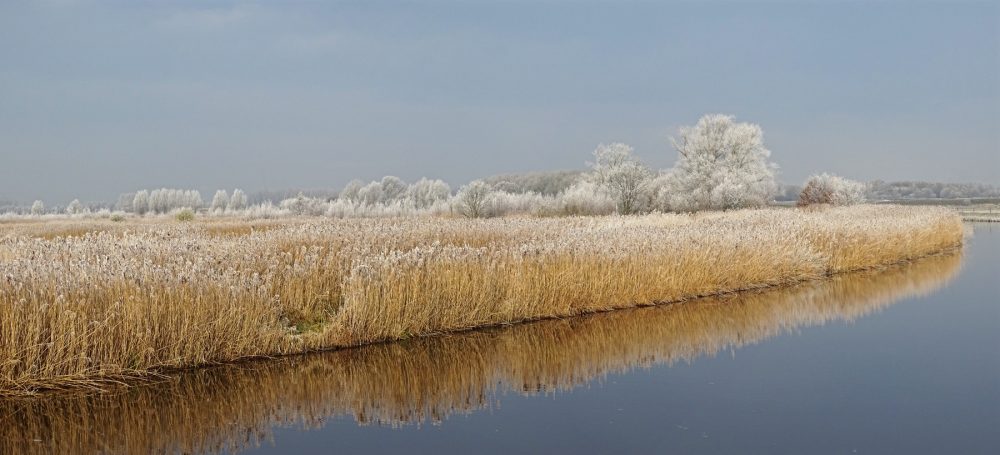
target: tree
38 208
371 193
350 191
140 204
425 192
220 201
238 201
619 173
74 208
473 199
721 165
831 189
393 188
125 202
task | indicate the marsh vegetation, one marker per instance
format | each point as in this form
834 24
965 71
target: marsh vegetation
93 302
427 380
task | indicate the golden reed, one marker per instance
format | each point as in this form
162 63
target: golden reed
426 379
105 301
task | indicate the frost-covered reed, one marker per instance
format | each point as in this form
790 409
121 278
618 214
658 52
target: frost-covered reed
235 407
107 300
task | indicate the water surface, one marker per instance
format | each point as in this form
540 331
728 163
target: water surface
900 360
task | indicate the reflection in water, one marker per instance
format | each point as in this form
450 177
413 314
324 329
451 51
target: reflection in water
427 379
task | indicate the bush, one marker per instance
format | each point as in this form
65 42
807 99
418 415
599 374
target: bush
117 217
831 189
185 215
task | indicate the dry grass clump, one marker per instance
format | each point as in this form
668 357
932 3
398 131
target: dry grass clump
233 407
137 299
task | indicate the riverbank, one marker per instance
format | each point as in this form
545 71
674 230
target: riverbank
104 301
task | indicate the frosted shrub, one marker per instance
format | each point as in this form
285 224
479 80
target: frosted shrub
721 165
304 206
502 203
586 198
38 208
831 189
265 210
185 214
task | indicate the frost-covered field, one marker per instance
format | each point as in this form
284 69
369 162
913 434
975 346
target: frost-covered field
93 300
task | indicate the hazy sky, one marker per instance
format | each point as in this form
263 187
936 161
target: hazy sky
102 98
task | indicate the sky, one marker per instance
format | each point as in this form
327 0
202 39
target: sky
102 98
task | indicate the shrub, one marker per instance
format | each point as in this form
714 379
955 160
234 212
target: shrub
831 189
185 215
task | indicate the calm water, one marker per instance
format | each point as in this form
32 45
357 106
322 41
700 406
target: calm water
900 361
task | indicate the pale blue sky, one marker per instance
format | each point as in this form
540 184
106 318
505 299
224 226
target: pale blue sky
98 98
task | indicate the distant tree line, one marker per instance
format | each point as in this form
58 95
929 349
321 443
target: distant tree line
721 164
879 189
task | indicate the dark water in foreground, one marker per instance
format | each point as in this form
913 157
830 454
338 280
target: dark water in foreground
905 360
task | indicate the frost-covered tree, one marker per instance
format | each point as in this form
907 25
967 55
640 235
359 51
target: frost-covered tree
425 192
192 199
545 183
303 205
350 191
370 194
140 204
721 165
220 201
297 205
124 203
74 207
238 201
831 189
473 199
621 175
165 200
37 208
393 188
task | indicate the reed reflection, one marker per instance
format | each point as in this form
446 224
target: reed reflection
427 379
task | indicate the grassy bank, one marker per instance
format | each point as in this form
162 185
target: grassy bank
233 407
104 301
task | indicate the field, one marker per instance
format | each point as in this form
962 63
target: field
87 303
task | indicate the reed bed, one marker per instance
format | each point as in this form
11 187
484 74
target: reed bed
427 379
124 300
